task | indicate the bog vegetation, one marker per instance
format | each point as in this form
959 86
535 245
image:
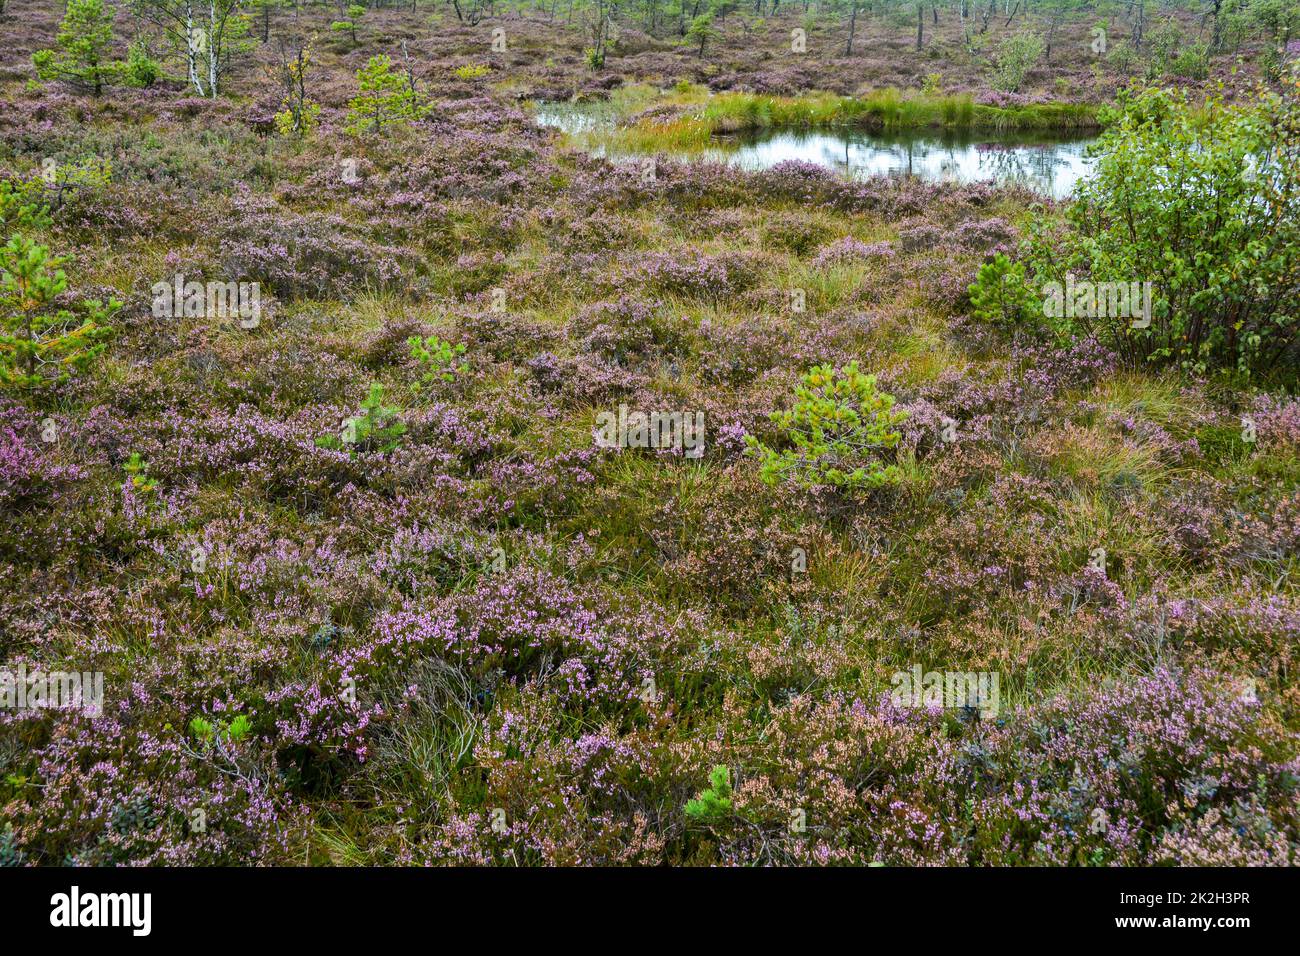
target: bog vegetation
362 584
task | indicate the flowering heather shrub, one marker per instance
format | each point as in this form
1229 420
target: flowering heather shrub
943 282
94 811
980 234
621 331
301 255
27 471
920 238
706 277
1277 421
795 233
733 542
848 249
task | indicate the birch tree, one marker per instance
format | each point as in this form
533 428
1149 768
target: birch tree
206 33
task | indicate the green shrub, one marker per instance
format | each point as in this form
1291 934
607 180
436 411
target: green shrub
140 69
1200 201
299 114
1161 44
1016 56
838 427
1122 57
1192 62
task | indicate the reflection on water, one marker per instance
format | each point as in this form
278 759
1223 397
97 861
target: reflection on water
1051 164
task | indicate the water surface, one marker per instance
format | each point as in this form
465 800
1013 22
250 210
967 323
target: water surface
1050 163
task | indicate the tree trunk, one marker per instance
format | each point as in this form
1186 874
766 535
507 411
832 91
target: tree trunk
212 48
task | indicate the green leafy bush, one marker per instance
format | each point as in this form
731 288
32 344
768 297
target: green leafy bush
471 71
1192 62
1122 58
838 427
299 114
140 69
1203 202
1016 56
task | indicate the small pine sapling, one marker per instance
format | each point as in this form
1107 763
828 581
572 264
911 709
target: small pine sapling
41 346
438 360
714 802
376 429
838 428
